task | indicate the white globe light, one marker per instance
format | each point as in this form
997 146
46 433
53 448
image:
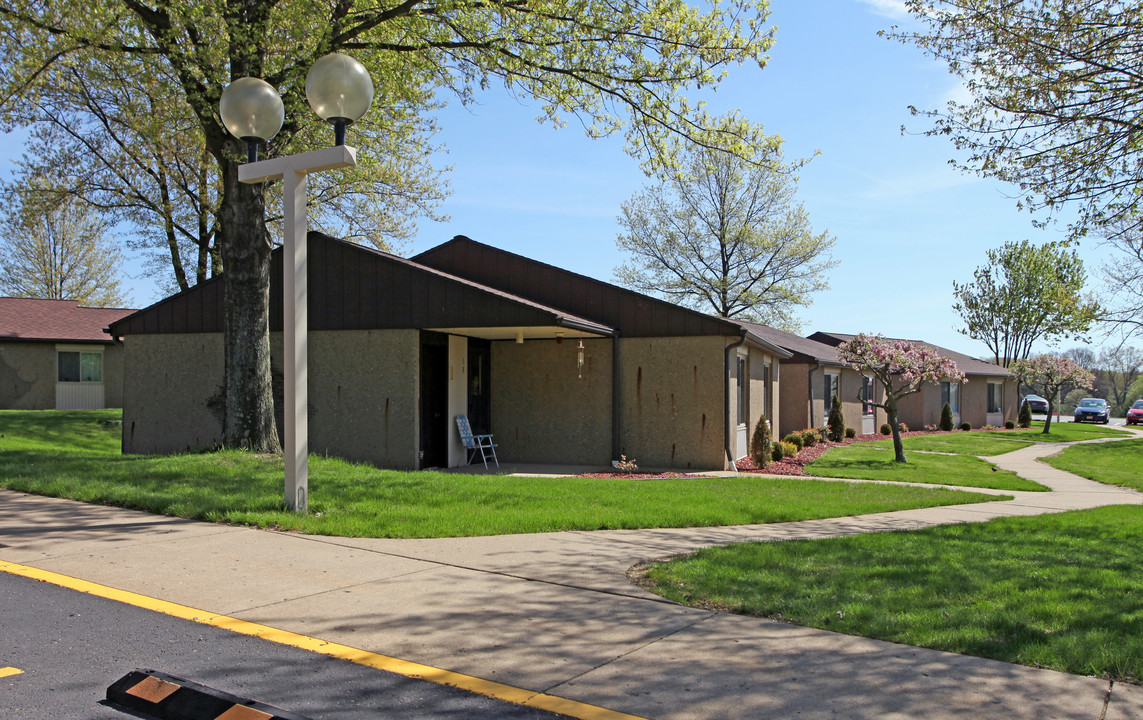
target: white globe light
251 109
339 89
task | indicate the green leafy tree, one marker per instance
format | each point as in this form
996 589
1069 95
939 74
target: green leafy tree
725 234
58 251
1025 294
617 67
1055 99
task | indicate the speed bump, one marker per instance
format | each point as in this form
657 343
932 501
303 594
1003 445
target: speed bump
172 698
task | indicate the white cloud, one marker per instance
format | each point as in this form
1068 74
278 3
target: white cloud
893 9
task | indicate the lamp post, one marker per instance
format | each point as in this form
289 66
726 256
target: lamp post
340 90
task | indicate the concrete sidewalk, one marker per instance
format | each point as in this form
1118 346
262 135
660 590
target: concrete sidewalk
554 613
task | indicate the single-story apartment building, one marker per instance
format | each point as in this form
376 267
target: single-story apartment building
989 397
55 354
810 379
559 367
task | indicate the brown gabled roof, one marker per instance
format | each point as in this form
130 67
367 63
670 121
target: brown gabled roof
803 349
352 287
630 313
965 363
35 320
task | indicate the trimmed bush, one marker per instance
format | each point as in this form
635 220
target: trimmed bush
1009 425
836 421
789 449
776 452
1025 416
760 443
966 425
809 437
794 438
946 418
886 429
850 433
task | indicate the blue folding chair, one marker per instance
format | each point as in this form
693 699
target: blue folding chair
476 443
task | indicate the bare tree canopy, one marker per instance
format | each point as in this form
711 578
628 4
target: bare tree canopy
1056 99
726 235
58 251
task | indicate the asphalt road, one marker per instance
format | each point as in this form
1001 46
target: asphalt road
70 646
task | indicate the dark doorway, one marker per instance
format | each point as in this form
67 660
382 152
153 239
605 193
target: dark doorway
479 393
434 400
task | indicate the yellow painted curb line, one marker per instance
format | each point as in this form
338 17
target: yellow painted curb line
488 688
9 671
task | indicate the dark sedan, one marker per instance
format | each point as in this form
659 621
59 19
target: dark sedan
1135 414
1037 404
1093 410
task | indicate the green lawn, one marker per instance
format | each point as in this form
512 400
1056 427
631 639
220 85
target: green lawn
1061 591
76 455
874 461
1063 432
1117 463
959 443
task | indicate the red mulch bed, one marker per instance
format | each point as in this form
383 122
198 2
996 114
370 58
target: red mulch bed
786 466
638 475
796 465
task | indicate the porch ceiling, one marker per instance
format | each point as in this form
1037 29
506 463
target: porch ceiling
542 332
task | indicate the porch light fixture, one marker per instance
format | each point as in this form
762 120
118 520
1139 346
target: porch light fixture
340 91
579 359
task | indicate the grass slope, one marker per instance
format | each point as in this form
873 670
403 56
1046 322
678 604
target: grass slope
874 461
76 455
1060 591
1117 463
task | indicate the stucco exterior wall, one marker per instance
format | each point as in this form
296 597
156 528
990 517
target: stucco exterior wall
673 401
363 402
27 376
362 391
170 380
794 409
543 411
113 376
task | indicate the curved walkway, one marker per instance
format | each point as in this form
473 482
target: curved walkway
554 613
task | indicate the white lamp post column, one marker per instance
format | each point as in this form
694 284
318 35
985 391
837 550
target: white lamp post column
293 169
339 89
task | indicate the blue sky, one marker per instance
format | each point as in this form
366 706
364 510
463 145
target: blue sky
907 224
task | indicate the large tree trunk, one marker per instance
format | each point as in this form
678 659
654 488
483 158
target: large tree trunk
246 246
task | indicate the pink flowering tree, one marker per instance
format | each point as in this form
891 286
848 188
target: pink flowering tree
902 367
1046 374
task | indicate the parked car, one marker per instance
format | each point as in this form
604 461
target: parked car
1037 404
1135 413
1093 409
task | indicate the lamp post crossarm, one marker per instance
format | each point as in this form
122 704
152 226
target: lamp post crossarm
313 161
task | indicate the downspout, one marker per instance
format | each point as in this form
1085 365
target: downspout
615 404
726 394
810 380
